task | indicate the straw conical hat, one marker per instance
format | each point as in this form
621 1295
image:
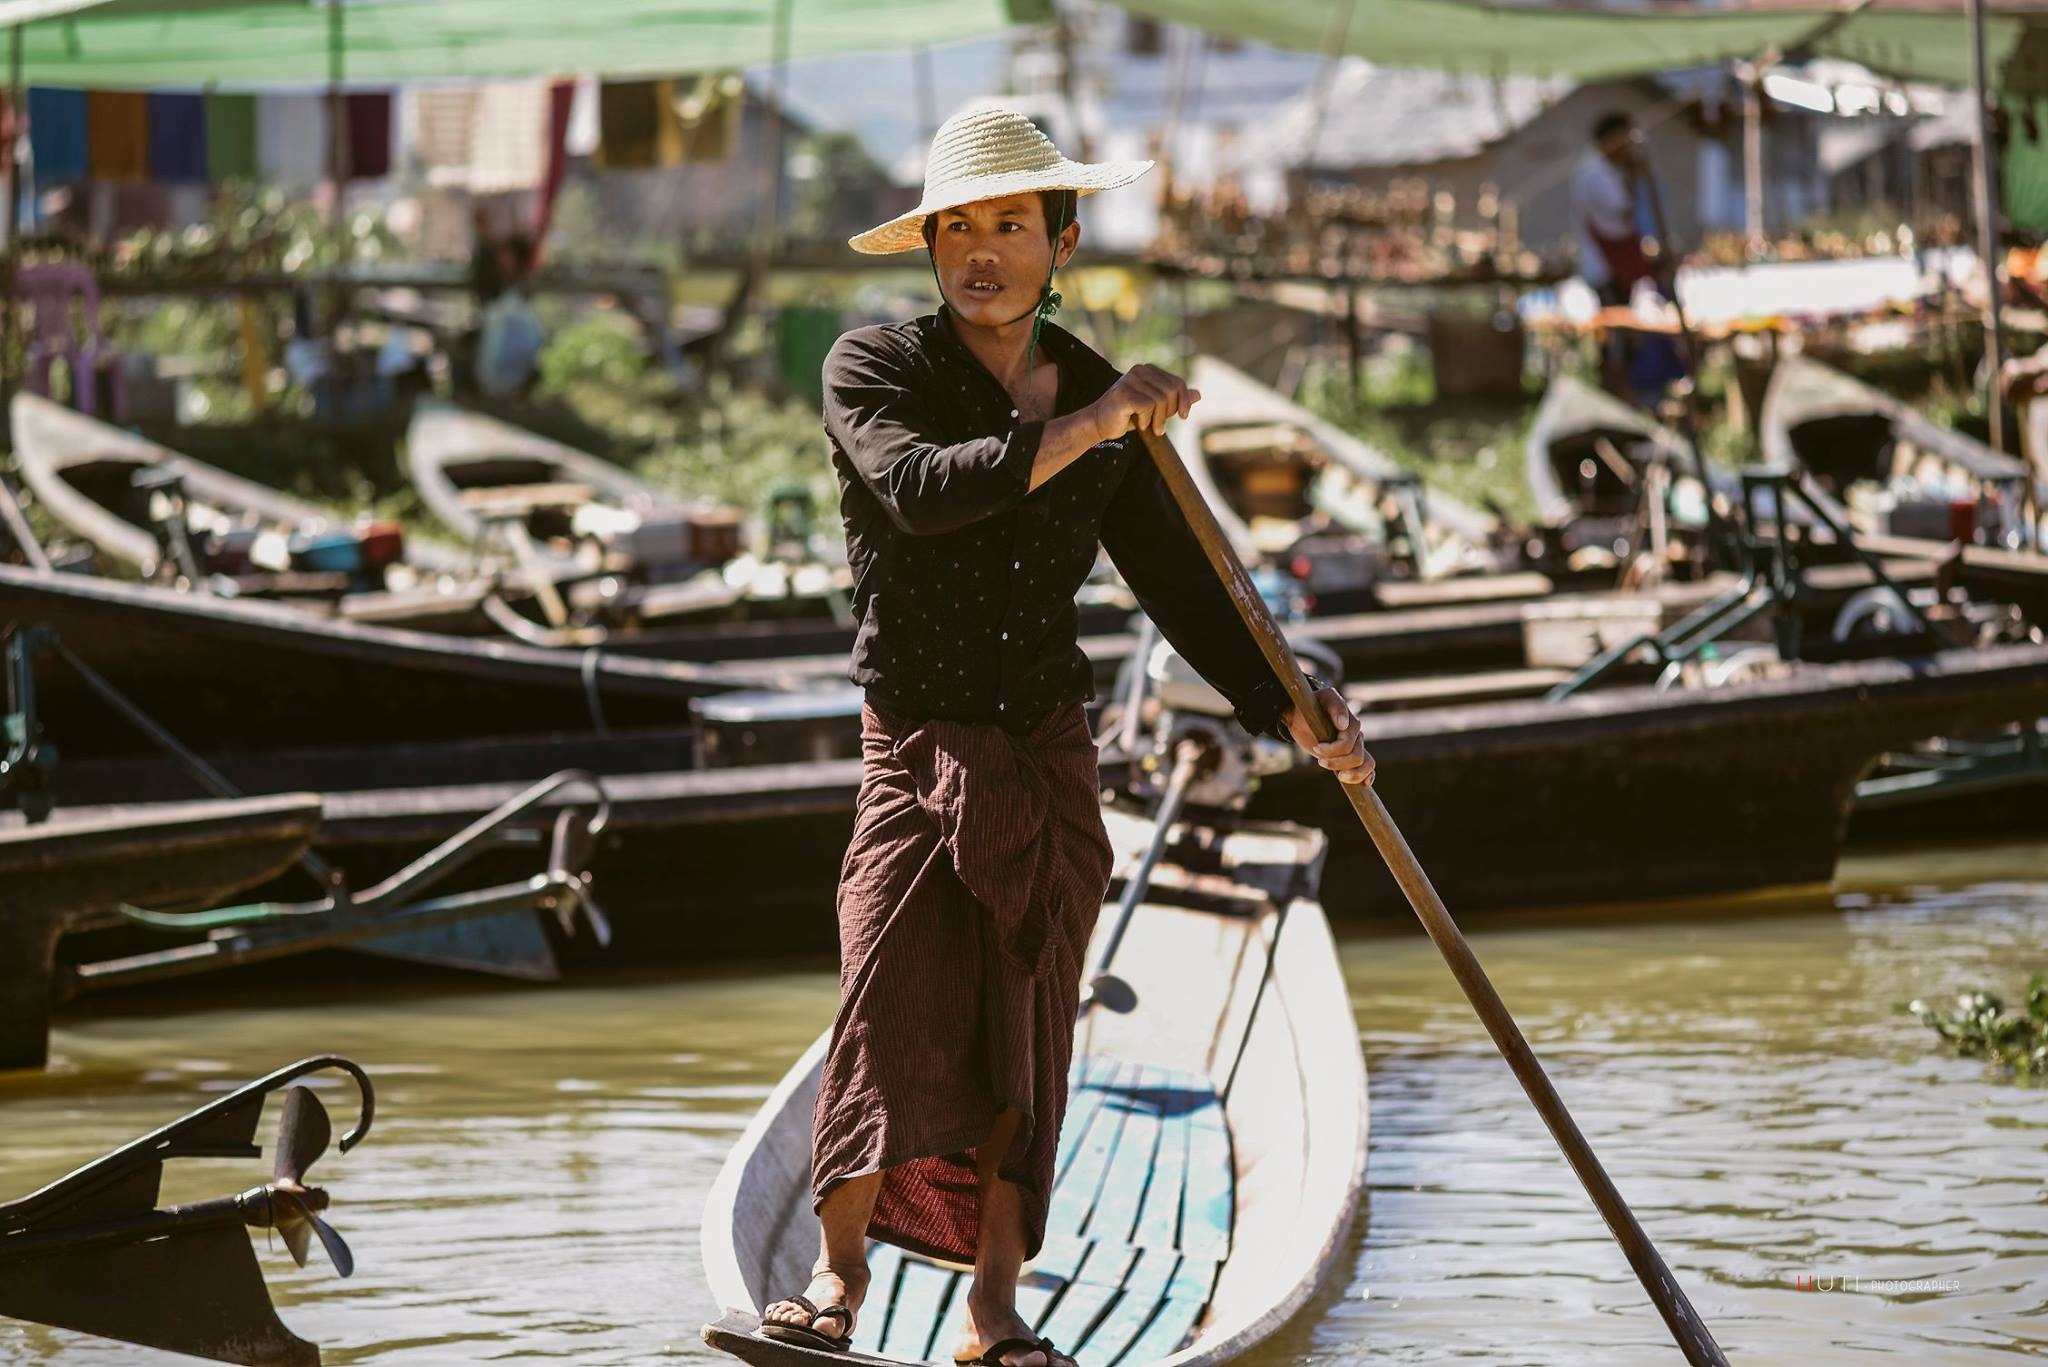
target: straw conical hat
987 154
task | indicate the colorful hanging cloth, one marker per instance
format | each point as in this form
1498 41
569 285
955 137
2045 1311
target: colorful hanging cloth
291 138
369 134
231 137
56 134
177 137
117 134
508 136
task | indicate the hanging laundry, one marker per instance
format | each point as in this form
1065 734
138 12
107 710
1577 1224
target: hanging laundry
638 125
369 135
440 120
291 138
508 136
554 164
231 137
117 134
581 138
177 137
56 134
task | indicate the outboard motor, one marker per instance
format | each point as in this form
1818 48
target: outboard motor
1181 705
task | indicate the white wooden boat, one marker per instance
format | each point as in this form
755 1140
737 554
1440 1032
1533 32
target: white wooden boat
84 472
1211 1159
1899 471
626 553
1587 451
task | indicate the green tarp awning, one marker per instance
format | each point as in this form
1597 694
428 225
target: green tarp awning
1929 41
167 43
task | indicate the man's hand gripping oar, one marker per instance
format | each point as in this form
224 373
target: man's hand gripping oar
1691 1334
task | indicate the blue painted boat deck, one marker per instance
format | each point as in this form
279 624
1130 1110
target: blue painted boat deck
1138 1224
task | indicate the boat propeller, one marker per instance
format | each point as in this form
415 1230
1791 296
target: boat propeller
94 1253
286 1204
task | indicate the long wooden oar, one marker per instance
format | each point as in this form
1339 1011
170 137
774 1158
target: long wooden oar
1686 1327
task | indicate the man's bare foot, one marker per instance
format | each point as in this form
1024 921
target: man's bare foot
830 1289
991 1324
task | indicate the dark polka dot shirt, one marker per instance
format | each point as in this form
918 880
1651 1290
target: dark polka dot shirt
964 583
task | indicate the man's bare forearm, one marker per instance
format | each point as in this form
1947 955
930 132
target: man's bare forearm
1065 440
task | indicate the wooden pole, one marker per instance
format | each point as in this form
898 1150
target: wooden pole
927 97
1689 348
1753 158
1987 222
768 225
337 175
17 114
1686 1327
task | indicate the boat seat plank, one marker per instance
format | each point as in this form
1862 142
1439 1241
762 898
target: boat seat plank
1194 1279
1159 1215
1107 1265
1130 1167
1035 1297
1168 1330
1075 1191
884 1262
1088 1082
922 1293
1075 1313
952 1319
1210 1184
1061 1256
1143 1290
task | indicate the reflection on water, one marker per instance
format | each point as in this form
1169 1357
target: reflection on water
531 1189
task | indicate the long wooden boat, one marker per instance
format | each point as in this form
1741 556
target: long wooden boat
62 873
1587 462
220 673
1901 472
84 472
1211 1159
1294 491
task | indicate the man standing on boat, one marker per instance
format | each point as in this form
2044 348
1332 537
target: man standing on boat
983 455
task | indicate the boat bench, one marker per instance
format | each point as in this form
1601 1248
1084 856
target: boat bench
1140 1219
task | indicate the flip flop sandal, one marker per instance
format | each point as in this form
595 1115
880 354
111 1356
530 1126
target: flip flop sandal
992 1356
806 1335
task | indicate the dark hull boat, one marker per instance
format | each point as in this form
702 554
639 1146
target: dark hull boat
63 875
232 534
222 674
1900 472
1613 796
1635 794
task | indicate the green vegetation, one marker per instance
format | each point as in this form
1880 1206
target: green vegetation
1978 1025
1471 451
730 442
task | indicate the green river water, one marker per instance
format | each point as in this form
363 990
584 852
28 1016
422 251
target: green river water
532 1186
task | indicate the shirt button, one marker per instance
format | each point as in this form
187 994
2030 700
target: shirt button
1013 412
999 707
1016 564
1006 636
